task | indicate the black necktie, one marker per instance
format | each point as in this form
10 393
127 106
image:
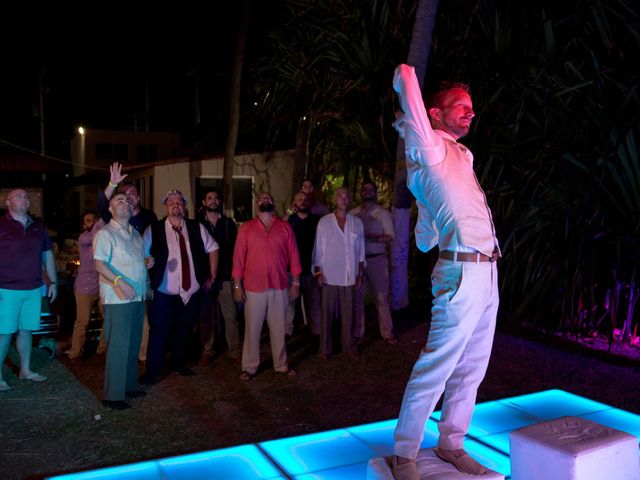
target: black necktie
184 260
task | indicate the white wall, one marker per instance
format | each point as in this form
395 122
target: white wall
273 174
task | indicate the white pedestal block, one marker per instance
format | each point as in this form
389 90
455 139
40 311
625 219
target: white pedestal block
572 448
430 467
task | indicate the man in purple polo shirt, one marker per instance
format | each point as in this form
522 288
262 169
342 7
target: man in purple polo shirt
86 289
24 247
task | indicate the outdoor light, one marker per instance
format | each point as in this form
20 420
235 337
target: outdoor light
81 130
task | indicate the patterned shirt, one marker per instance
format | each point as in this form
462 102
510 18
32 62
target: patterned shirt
122 249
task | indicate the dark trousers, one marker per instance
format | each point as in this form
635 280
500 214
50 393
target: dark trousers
170 320
342 297
122 332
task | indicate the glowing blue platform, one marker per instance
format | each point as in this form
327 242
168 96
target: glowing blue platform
343 454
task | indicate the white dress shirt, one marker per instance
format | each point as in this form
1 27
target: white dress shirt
452 208
336 252
172 280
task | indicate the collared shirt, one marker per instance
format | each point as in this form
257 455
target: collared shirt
21 249
140 221
452 207
87 278
377 220
336 252
122 249
172 280
305 231
261 256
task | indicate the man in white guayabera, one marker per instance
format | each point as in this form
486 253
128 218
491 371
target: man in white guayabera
453 213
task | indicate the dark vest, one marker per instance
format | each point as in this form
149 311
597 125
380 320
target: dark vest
160 252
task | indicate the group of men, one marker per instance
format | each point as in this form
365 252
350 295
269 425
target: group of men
272 261
201 270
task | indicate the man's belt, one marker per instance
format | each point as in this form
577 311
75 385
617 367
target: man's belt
371 255
475 257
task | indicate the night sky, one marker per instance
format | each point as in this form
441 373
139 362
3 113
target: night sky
108 96
102 79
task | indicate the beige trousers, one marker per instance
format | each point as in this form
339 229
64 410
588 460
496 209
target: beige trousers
84 306
271 305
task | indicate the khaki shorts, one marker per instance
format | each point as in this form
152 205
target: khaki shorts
19 310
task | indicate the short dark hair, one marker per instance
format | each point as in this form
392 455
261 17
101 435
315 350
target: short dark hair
434 97
209 190
88 212
370 182
85 213
126 184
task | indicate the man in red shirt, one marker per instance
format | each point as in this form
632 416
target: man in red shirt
265 247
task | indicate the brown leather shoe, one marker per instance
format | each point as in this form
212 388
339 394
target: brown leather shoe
406 470
461 460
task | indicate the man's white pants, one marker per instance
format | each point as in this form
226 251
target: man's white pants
456 355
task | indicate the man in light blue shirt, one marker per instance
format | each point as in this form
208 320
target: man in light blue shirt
118 251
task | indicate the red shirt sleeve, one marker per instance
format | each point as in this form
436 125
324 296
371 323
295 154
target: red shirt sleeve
240 253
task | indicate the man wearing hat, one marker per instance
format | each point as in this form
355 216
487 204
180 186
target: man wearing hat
186 262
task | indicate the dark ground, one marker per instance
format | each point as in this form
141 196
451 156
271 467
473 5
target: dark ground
60 426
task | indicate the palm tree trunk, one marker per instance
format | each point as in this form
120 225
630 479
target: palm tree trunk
234 111
300 165
418 57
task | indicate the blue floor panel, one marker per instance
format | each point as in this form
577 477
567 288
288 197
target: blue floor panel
552 404
317 451
350 472
246 461
379 436
618 419
343 454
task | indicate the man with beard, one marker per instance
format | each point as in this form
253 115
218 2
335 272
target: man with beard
265 247
453 213
220 298
378 234
140 219
304 224
186 263
85 288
